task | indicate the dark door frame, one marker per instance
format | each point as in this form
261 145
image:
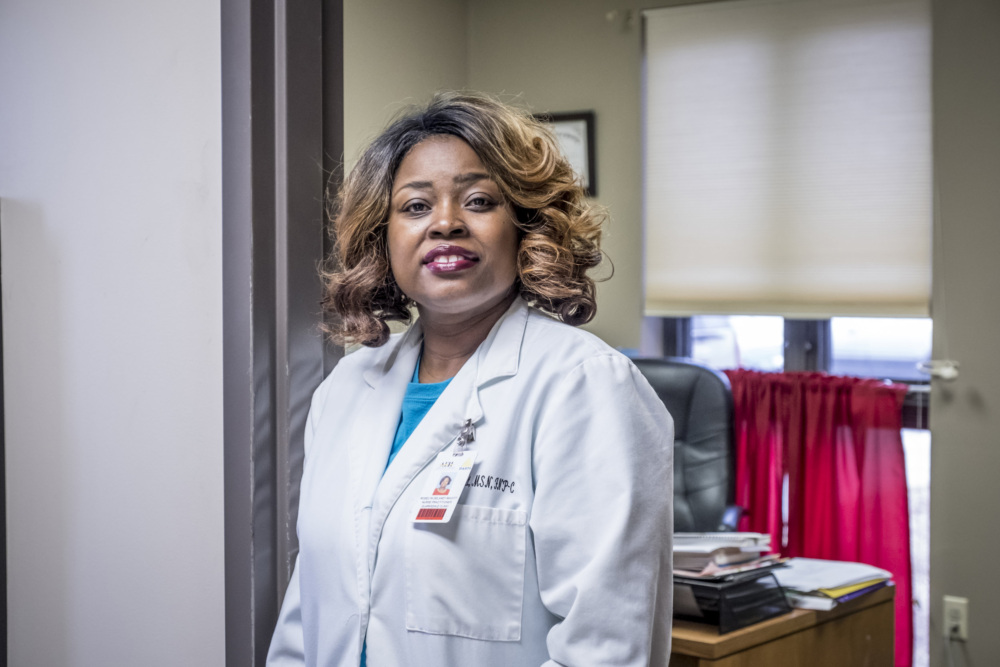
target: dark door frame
3 506
282 137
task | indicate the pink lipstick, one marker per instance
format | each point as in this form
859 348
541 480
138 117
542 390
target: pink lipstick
449 259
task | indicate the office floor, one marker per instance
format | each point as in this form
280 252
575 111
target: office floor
917 447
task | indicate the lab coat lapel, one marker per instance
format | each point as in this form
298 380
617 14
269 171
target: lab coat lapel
378 417
497 356
500 353
437 429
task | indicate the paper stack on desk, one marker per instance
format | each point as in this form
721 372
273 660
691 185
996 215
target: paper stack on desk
724 579
811 583
714 554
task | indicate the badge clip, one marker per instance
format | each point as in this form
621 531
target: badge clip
467 434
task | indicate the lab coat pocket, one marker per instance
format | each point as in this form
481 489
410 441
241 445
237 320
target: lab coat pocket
466 577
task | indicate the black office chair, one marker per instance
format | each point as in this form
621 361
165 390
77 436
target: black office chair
701 403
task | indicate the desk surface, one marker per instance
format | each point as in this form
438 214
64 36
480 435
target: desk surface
703 641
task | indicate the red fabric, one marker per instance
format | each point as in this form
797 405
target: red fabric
839 440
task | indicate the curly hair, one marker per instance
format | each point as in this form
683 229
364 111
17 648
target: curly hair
559 230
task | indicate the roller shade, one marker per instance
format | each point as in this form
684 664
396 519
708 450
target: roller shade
788 158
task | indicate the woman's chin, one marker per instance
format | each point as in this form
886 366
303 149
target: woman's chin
459 303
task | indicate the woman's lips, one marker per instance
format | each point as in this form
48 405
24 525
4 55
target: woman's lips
449 258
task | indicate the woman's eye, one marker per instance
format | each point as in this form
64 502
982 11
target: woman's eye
416 207
480 202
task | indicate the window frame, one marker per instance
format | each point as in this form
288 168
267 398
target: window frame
808 347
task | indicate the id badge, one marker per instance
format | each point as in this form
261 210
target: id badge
444 486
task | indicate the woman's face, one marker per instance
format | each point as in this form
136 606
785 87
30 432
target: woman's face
452 239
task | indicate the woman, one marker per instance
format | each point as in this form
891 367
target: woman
442 488
555 548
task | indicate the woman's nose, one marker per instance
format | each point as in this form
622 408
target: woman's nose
448 223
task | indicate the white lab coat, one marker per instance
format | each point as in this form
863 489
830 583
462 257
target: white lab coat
559 552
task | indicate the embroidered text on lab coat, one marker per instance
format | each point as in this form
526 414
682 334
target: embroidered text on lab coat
491 482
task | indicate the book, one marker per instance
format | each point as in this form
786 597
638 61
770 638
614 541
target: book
808 575
717 572
841 591
729 539
696 551
699 557
807 601
820 602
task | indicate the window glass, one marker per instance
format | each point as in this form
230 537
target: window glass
739 341
917 449
882 347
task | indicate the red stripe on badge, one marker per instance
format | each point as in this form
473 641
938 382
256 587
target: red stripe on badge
432 515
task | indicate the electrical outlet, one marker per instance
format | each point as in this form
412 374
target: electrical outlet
956 618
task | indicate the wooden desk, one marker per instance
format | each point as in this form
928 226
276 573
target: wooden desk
857 633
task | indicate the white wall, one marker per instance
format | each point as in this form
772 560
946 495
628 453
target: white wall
110 183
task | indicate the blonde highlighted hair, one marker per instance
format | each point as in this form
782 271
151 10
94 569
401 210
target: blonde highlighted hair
559 230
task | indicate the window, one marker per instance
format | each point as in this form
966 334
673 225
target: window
882 347
787 158
877 347
787 185
886 348
739 341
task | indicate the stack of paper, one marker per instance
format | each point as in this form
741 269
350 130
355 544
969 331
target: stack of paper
811 583
710 554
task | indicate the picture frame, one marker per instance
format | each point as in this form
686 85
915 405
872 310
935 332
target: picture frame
575 131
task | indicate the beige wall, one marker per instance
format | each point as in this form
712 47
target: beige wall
559 55
574 55
965 414
110 199
564 55
397 52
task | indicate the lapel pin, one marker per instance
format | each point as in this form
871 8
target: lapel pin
467 434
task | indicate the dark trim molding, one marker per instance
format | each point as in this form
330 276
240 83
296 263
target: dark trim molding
676 336
247 152
807 345
333 126
3 504
274 108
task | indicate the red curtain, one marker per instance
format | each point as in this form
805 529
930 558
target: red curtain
839 441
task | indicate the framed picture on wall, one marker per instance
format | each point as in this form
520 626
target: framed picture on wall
575 133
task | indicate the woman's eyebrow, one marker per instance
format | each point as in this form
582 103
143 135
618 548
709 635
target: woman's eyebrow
416 185
471 177
461 179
